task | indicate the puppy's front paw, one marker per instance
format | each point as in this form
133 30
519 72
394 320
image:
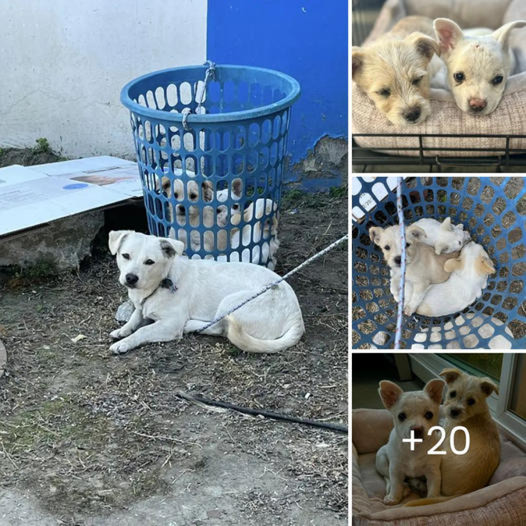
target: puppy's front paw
408 310
391 499
116 334
120 347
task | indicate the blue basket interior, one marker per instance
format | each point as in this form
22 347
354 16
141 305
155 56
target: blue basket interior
226 156
492 210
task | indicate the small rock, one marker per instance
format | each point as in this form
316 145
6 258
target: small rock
3 358
124 311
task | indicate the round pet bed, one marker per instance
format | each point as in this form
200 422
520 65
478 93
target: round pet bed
447 118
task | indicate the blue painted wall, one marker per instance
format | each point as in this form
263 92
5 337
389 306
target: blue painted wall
305 39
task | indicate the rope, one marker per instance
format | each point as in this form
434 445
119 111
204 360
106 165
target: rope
210 74
275 283
398 333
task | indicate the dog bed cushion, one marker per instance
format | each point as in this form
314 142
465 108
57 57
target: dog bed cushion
446 117
502 502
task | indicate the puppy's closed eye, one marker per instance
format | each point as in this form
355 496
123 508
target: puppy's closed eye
416 81
385 92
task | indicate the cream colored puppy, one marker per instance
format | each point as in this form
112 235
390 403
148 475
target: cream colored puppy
182 295
395 70
478 61
469 276
417 412
423 266
443 237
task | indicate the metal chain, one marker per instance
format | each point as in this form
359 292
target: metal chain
210 74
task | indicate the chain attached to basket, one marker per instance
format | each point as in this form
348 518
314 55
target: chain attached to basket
210 74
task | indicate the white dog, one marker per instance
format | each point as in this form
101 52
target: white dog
443 237
478 61
182 295
416 411
469 276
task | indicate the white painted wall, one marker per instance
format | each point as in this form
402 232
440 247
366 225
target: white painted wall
64 62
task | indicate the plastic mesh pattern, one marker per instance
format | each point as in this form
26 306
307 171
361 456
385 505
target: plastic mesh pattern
208 170
492 210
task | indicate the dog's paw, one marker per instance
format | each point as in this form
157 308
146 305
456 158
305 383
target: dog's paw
390 499
120 347
409 310
116 334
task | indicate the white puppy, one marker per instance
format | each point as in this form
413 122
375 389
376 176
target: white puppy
478 61
443 237
416 411
469 276
182 295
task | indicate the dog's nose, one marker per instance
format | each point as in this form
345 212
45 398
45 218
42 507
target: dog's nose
412 114
398 260
454 412
180 209
477 104
418 432
131 279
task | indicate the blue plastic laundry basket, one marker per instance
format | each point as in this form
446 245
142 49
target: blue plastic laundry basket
492 210
207 150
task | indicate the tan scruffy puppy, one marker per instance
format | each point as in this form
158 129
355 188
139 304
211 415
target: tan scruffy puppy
395 70
478 61
465 405
423 266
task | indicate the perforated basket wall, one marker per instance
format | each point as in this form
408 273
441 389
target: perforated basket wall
493 210
228 154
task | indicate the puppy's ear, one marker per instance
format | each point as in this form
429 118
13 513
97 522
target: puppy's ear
488 386
115 239
434 388
502 34
486 265
415 233
208 190
450 375
453 264
389 393
448 34
446 224
374 234
358 60
171 247
425 45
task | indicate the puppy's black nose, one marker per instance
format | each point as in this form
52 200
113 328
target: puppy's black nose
131 279
418 432
180 209
398 260
477 104
454 412
412 114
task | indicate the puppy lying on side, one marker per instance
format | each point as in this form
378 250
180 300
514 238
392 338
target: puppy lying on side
423 266
395 70
465 405
443 237
417 411
478 62
182 295
469 276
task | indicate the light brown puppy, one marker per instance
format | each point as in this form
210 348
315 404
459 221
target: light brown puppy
396 69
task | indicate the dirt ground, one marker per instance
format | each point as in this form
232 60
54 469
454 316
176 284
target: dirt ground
88 438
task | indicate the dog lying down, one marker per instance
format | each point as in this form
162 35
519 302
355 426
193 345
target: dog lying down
182 295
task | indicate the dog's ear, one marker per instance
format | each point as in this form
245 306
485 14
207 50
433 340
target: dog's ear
115 239
208 190
502 34
450 375
485 265
425 45
237 187
358 60
171 247
415 233
446 224
389 393
434 388
374 234
487 386
448 34
453 264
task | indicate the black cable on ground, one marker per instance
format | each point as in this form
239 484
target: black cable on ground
263 412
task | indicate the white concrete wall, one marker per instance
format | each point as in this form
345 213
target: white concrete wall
64 62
